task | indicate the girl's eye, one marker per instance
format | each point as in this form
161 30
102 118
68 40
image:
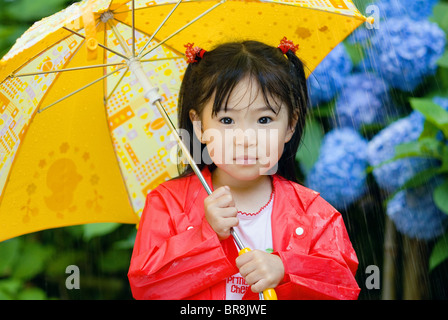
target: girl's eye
226 120
264 120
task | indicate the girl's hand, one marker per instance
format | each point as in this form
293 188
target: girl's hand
220 212
260 269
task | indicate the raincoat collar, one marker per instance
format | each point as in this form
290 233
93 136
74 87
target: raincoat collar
282 187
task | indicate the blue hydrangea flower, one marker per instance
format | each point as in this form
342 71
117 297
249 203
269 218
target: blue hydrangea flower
364 99
404 51
414 9
414 213
443 102
339 173
381 148
419 9
386 9
326 80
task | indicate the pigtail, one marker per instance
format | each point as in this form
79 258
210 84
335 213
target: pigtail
189 95
299 84
193 55
300 101
299 90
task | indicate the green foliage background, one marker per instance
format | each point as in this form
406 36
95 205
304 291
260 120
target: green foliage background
33 266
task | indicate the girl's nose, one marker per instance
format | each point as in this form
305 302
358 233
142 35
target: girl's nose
246 138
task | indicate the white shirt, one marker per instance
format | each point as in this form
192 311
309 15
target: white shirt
256 233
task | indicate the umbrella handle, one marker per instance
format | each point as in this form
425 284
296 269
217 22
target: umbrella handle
268 294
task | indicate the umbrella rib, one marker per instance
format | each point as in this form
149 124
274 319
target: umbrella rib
159 27
78 90
67 69
145 33
133 28
116 86
161 59
182 28
99 44
153 5
119 6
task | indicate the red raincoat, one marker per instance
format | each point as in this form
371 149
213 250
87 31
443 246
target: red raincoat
177 255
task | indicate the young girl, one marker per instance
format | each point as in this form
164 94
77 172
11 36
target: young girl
245 104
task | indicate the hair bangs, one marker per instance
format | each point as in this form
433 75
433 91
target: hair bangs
272 83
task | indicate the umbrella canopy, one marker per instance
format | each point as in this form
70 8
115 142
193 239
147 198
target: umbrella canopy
79 141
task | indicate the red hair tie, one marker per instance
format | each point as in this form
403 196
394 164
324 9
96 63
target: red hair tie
192 53
286 45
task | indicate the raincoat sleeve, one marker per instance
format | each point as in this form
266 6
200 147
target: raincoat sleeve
174 256
325 268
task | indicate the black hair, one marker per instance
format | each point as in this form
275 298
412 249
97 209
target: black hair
279 76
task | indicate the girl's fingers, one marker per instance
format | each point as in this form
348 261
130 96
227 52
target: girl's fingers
256 278
224 201
220 198
231 222
219 192
248 257
230 212
259 286
246 269
226 224
220 211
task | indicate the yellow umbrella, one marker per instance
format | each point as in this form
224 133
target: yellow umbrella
81 140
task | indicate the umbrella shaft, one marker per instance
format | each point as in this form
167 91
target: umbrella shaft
120 39
149 89
144 81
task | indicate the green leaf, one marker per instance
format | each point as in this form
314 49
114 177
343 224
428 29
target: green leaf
310 148
355 52
439 252
444 167
32 294
443 60
9 250
432 112
127 243
442 79
76 232
420 178
440 196
9 288
323 110
425 147
56 268
33 258
429 130
440 15
32 10
98 229
115 260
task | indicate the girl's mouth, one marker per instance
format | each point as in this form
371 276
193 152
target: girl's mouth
245 160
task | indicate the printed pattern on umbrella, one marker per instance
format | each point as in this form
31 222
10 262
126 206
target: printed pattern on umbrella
79 142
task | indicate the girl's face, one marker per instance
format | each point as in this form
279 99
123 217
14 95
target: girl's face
247 140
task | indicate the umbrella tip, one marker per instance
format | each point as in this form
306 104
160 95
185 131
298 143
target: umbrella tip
370 20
